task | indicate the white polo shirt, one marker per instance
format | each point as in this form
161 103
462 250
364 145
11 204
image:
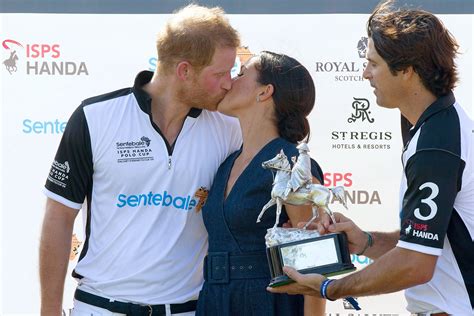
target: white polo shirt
145 238
437 213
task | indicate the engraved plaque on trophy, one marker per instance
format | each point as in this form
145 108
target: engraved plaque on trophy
327 255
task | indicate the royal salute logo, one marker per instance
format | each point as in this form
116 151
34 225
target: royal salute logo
362 46
39 59
346 70
134 150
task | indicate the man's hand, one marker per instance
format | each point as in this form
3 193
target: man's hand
357 239
307 284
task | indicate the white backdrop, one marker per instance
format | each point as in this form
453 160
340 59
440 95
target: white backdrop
63 59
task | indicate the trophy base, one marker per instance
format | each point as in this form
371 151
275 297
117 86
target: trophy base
284 280
327 255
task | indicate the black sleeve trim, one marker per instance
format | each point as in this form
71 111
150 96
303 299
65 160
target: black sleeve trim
71 172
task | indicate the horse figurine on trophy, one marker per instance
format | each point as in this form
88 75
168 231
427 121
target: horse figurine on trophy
284 191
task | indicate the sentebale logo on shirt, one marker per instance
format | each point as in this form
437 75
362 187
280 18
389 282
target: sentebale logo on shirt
156 199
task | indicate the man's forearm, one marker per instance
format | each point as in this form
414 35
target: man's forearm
55 246
314 306
382 244
397 270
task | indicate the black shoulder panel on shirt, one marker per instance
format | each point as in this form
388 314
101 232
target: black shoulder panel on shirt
442 131
107 96
75 153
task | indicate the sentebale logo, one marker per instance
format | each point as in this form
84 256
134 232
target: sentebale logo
156 199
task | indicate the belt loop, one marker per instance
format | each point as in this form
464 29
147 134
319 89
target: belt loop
218 267
205 269
167 309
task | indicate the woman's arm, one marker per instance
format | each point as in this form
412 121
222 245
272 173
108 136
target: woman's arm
303 213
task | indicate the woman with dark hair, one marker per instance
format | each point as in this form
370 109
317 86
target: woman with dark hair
272 97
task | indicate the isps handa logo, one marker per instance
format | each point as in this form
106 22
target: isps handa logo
346 70
39 59
59 173
353 195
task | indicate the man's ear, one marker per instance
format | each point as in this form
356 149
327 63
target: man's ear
266 93
183 70
408 72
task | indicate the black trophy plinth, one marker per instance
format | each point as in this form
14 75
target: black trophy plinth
328 255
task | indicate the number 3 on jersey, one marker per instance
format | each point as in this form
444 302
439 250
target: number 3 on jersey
428 201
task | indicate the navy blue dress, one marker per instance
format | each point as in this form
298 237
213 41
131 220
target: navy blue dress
236 271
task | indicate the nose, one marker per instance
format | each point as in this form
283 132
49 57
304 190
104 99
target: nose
366 73
227 82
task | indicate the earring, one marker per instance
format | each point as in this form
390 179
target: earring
258 98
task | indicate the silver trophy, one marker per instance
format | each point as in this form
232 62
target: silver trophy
305 250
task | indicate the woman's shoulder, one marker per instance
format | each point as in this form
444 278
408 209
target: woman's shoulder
227 162
231 157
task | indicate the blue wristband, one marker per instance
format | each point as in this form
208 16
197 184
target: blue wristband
323 291
324 287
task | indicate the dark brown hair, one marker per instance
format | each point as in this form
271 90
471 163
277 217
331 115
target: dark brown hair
409 37
293 93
